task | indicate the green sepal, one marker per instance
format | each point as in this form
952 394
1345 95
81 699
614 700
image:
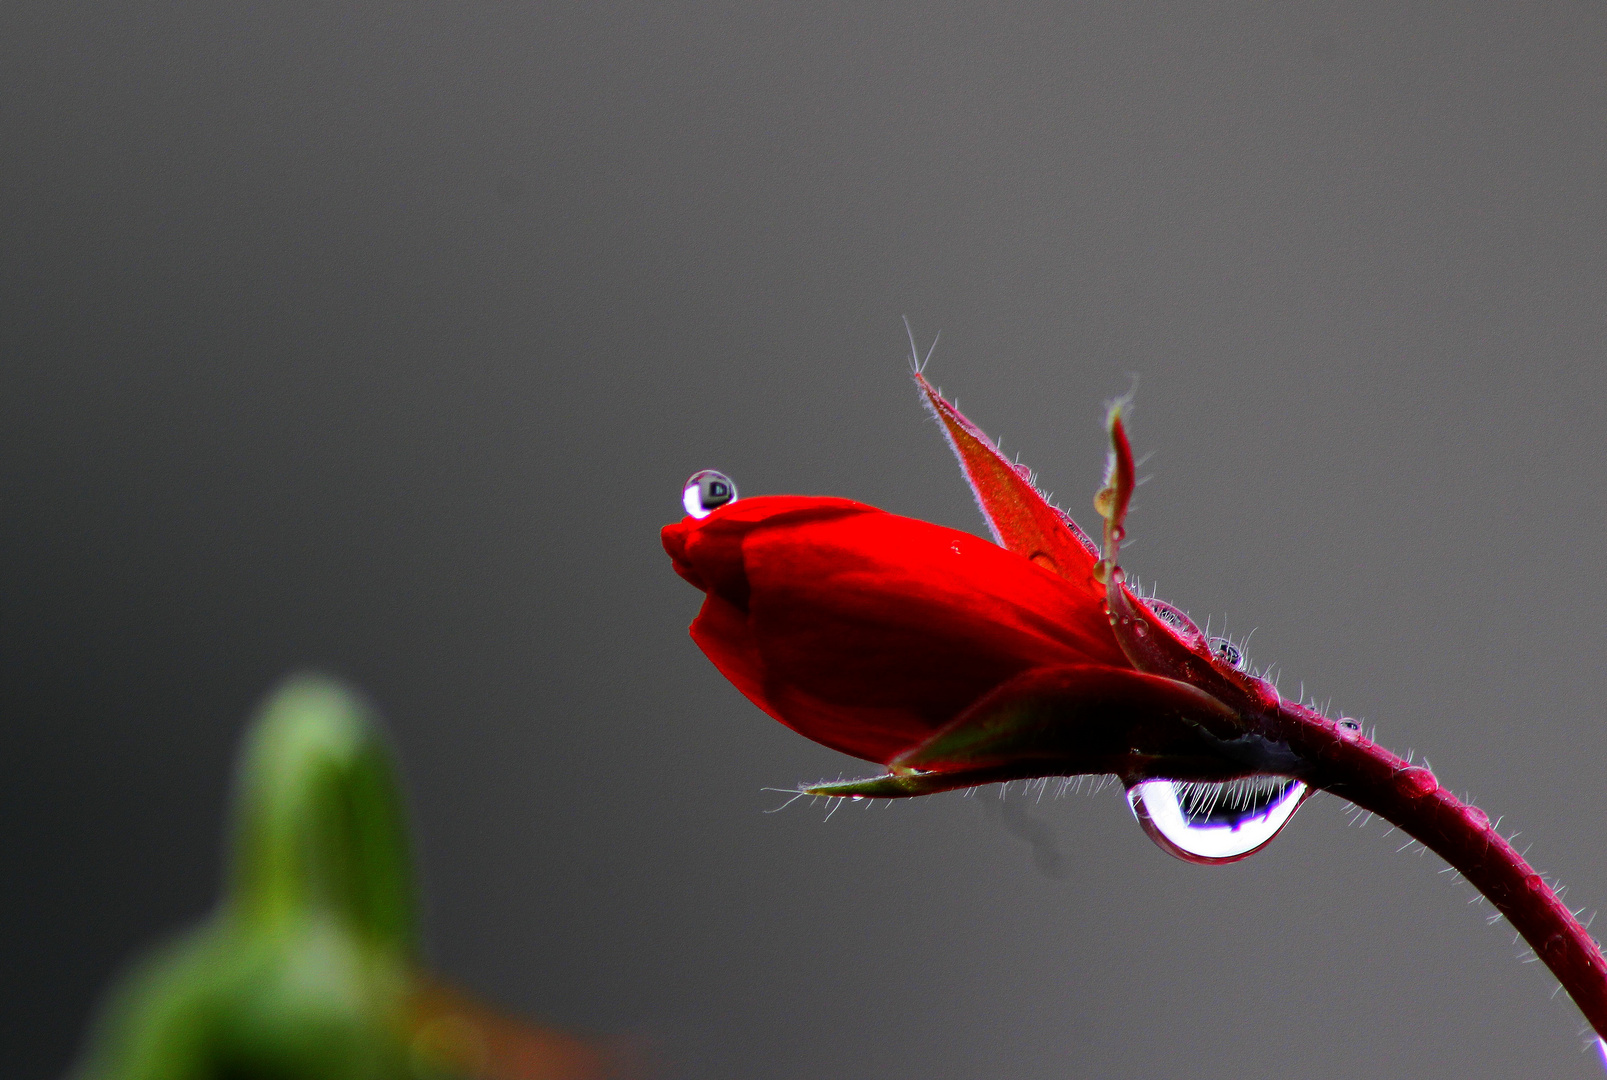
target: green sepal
1060 721
903 785
1072 719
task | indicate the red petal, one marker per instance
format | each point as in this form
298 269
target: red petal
866 631
708 552
1021 519
878 623
723 633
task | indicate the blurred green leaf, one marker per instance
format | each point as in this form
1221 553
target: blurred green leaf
308 968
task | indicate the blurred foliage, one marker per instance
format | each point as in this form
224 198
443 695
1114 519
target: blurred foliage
308 969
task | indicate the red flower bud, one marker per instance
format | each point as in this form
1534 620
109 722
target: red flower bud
956 662
952 660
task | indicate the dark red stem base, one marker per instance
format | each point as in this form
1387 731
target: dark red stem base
1411 798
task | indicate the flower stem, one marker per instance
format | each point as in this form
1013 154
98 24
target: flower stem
1409 797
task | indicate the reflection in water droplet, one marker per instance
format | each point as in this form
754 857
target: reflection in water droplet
1215 822
1228 651
706 492
1174 618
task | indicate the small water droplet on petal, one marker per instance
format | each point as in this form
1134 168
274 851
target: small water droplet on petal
706 492
1476 817
1348 728
1215 822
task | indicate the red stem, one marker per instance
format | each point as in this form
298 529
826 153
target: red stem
1409 797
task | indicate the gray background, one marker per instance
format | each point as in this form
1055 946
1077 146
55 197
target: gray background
380 336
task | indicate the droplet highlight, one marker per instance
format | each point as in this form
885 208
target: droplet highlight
1224 822
706 492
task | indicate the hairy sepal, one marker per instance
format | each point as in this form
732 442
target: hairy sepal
1020 518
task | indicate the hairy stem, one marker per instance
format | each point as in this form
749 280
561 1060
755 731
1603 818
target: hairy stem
1409 797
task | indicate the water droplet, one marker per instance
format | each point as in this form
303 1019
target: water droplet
706 492
1102 571
1476 817
1105 502
1535 883
1348 728
1417 782
1228 651
1215 822
1173 618
857 798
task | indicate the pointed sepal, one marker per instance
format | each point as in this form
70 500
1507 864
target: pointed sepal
1064 721
1074 719
1156 638
1020 518
905 785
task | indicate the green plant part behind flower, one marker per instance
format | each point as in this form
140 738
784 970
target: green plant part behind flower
308 969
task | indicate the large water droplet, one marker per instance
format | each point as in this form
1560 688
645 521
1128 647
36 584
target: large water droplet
706 492
1215 822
